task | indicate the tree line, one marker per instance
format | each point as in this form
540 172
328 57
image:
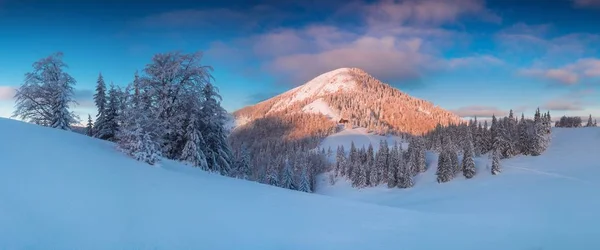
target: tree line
170 110
574 122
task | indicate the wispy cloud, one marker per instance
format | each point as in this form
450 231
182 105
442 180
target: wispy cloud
587 3
569 74
393 40
479 111
572 101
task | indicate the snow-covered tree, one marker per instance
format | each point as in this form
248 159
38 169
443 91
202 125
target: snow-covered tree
468 165
590 123
444 171
100 101
214 130
304 184
287 177
89 129
370 165
194 146
495 162
340 159
244 167
272 175
109 127
46 94
392 180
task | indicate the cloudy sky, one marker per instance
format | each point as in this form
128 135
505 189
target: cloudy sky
471 56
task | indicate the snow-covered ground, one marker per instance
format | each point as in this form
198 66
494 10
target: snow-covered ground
62 190
319 106
545 202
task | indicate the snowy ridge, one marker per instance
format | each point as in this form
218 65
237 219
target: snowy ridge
330 82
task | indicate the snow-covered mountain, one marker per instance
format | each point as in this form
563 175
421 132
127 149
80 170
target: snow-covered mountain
63 190
353 94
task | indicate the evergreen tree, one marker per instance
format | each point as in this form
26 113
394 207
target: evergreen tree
287 177
89 129
495 162
193 149
420 164
444 170
352 159
244 164
100 101
108 123
468 165
381 162
454 164
340 159
392 180
524 140
304 185
214 132
272 177
590 123
370 165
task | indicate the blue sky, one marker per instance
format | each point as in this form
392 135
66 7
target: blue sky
471 56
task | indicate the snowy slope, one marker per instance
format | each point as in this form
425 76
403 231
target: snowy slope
62 190
552 197
330 82
319 106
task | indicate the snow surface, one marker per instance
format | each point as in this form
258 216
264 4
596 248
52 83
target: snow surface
330 82
319 106
544 202
62 190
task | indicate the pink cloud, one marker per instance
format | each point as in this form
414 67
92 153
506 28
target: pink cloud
7 93
479 111
568 74
563 105
587 3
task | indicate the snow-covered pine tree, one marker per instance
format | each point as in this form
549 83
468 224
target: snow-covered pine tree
590 123
382 161
272 174
109 126
392 180
421 165
444 171
541 136
495 162
370 169
145 149
340 157
454 164
468 165
214 131
100 101
352 159
304 184
287 177
244 166
194 146
89 129
46 94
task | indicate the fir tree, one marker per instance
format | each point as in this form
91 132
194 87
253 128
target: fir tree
444 170
193 149
214 131
272 177
287 177
89 129
340 161
370 165
145 149
304 185
392 180
468 165
495 162
244 166
590 123
100 101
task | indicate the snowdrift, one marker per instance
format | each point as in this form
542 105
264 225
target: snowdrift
62 190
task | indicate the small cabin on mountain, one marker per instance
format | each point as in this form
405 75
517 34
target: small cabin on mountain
343 121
